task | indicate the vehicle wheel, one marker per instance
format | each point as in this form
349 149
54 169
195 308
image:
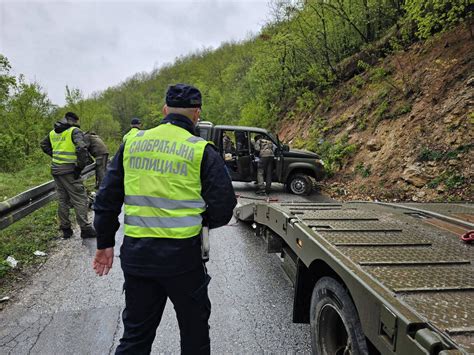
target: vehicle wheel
300 184
335 324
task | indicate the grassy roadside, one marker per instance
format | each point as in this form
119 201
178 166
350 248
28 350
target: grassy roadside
34 232
20 240
32 175
38 231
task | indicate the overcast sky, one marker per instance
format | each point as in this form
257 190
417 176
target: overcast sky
91 45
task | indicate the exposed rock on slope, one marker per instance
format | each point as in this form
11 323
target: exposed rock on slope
410 120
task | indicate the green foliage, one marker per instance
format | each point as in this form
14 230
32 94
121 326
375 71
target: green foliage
27 116
362 170
358 83
454 181
427 154
335 154
93 116
30 111
7 81
362 122
451 179
31 174
403 109
431 16
290 67
378 74
381 111
10 153
22 239
26 113
4 268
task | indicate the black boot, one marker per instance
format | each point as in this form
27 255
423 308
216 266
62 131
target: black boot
67 233
88 233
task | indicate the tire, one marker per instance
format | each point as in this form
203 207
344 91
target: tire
335 324
300 184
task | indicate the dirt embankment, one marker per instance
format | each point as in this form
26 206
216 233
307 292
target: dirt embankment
410 121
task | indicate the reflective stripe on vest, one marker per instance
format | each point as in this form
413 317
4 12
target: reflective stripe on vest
163 183
64 150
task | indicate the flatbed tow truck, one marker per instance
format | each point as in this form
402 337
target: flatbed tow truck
375 278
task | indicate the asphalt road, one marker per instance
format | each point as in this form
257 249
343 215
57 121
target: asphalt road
67 309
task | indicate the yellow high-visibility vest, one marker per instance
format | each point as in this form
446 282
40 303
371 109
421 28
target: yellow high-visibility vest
163 183
130 133
64 150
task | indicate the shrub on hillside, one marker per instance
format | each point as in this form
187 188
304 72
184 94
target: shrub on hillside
431 16
11 154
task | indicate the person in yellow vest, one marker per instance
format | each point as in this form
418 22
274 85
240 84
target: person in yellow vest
135 126
171 183
65 144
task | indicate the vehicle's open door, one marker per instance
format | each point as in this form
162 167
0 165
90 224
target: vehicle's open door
279 161
244 160
236 153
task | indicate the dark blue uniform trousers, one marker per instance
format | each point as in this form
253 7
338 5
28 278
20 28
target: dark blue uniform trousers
145 299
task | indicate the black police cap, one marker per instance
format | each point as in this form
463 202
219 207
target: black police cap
182 95
135 121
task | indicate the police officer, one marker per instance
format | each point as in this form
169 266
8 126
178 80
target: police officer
65 144
171 183
100 152
135 126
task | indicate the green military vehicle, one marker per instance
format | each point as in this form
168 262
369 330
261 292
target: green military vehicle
297 169
375 278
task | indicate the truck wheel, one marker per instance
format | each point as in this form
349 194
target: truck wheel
335 324
300 184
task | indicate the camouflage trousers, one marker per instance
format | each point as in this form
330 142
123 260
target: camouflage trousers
264 173
72 192
100 168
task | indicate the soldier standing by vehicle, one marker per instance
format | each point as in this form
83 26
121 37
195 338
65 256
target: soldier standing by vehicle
172 183
65 144
227 144
135 126
99 151
264 152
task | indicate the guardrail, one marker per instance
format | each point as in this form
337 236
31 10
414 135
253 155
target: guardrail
20 206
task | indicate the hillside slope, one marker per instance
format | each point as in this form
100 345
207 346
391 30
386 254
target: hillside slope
402 130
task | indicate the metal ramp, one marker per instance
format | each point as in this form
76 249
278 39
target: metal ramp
412 251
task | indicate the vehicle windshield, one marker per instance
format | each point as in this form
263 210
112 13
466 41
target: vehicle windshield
274 137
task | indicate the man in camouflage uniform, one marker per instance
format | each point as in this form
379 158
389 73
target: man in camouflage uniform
65 144
264 152
227 144
99 151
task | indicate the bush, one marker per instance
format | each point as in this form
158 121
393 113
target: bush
335 154
11 153
362 170
431 16
450 178
428 154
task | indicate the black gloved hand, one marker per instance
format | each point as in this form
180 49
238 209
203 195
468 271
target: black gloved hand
77 173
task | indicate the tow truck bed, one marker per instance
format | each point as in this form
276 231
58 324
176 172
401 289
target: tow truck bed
404 265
